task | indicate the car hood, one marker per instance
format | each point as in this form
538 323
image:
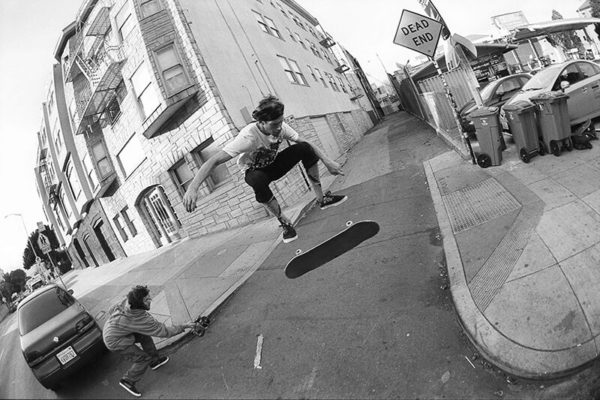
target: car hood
40 341
524 96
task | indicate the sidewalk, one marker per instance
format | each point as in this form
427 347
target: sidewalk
522 244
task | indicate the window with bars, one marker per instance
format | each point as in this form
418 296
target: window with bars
292 71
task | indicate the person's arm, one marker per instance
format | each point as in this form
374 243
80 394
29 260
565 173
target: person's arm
191 194
333 167
149 326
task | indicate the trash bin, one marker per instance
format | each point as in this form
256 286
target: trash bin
524 128
553 116
488 131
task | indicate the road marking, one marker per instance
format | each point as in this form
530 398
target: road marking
259 344
1 354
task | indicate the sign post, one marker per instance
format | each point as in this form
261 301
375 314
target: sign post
420 33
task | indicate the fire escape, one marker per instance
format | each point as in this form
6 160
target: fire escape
100 64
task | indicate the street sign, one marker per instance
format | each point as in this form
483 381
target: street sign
44 243
41 226
418 32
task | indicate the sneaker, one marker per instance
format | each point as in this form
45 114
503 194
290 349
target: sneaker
289 233
332 200
130 387
160 361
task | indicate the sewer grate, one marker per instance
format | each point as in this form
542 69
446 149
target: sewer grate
474 205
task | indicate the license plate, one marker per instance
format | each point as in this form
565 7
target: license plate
66 355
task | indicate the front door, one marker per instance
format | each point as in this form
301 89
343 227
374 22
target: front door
102 240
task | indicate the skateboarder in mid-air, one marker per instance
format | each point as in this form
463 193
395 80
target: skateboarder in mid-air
257 146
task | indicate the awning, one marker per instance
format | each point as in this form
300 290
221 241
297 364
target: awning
483 50
555 26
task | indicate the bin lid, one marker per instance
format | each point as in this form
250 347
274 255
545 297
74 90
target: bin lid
484 112
521 105
548 97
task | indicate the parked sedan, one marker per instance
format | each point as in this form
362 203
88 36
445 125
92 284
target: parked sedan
578 79
494 94
58 336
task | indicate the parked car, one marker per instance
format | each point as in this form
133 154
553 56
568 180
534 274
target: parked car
578 79
58 336
494 94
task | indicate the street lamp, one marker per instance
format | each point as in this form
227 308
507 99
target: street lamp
30 243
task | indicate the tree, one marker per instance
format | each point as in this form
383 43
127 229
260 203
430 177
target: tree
6 290
18 277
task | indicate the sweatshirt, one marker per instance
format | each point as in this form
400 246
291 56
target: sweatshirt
123 323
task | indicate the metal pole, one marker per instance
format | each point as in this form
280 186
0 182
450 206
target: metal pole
463 135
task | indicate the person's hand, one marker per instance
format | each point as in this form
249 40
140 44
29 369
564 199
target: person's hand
334 168
189 325
189 199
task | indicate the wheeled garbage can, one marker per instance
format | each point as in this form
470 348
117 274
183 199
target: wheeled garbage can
521 117
553 116
488 131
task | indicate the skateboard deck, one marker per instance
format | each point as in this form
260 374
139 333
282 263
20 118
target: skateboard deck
349 238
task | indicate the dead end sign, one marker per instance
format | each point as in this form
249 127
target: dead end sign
418 32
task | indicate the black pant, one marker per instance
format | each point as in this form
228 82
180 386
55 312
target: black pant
260 178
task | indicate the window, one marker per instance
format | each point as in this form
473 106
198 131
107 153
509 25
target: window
332 82
291 34
58 141
102 160
43 308
149 7
342 84
129 221
320 77
282 10
299 40
119 225
292 71
273 28
261 22
588 70
124 20
90 172
145 91
202 153
63 201
298 73
58 215
131 156
312 73
182 176
172 70
314 50
267 25
73 180
327 57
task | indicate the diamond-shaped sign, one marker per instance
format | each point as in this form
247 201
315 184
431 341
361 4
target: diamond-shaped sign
418 32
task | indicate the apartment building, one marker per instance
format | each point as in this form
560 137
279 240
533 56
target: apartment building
145 91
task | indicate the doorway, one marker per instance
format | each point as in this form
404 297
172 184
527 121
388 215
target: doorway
102 239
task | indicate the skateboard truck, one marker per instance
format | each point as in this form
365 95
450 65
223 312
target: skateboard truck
201 325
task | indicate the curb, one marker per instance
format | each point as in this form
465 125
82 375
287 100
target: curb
516 360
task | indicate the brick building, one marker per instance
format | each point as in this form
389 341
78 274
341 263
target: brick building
145 90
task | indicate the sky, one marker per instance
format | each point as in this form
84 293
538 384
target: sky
29 32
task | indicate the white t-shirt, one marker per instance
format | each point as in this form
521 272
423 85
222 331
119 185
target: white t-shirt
255 149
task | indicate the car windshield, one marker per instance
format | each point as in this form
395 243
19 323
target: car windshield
542 80
486 92
42 308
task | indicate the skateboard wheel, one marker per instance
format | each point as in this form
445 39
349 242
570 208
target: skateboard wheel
298 252
348 223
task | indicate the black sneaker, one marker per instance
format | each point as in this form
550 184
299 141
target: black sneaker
289 233
130 387
160 361
332 200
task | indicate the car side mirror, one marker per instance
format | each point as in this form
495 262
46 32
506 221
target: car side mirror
564 84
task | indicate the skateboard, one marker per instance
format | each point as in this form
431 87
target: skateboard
201 325
352 236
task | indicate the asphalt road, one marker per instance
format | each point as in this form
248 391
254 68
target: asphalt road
377 322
